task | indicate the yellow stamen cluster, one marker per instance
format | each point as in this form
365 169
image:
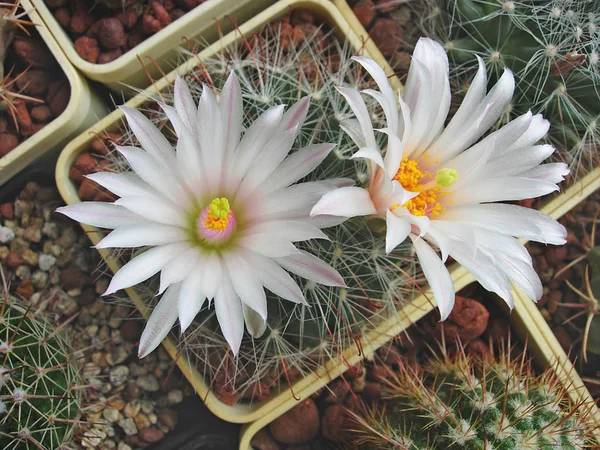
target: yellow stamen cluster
409 175
218 215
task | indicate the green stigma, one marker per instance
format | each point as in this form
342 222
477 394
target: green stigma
219 208
446 177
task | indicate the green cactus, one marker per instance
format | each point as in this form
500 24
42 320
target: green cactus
550 45
459 404
40 401
299 338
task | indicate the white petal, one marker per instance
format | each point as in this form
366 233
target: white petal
502 189
296 114
210 134
297 166
149 137
352 128
269 246
393 153
156 209
275 279
179 268
552 172
255 324
191 296
537 130
141 235
231 113
437 275
289 230
517 162
161 321
361 112
189 162
162 178
122 184
229 314
511 220
371 154
246 284
144 266
184 104
173 117
397 231
100 214
212 276
388 101
312 268
345 202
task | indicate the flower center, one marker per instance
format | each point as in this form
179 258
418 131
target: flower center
216 223
413 179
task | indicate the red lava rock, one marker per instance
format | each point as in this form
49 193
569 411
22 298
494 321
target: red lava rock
33 82
6 210
225 393
160 13
176 14
467 320
8 142
41 113
106 57
565 340
87 189
497 331
13 260
300 424
372 392
23 118
53 4
128 18
186 4
59 94
72 277
25 288
134 40
81 20
111 33
388 35
556 255
37 127
150 25
336 391
291 36
34 53
131 330
333 424
264 441
151 435
364 11
84 165
88 49
257 391
63 17
479 350
554 298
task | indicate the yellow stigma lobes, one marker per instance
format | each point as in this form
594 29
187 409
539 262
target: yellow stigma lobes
219 208
446 177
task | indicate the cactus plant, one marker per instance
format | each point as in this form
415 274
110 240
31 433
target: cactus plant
455 403
550 45
40 401
279 66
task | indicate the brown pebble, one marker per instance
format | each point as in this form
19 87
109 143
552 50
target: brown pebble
300 424
556 255
168 417
72 277
8 142
151 435
59 94
566 342
41 113
34 53
25 288
7 211
132 391
110 56
131 330
111 33
554 298
387 35
13 260
63 17
479 351
387 6
88 49
333 423
264 441
33 82
364 11
87 296
468 320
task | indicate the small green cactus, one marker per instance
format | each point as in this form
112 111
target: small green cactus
552 46
458 404
39 397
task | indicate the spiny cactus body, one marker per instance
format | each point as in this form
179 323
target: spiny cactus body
39 397
459 404
279 66
552 46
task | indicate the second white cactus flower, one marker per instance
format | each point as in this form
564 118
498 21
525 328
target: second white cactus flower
439 187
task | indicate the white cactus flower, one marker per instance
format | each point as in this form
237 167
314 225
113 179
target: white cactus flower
219 213
438 186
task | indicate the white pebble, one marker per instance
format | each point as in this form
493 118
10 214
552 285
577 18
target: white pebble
6 234
46 262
